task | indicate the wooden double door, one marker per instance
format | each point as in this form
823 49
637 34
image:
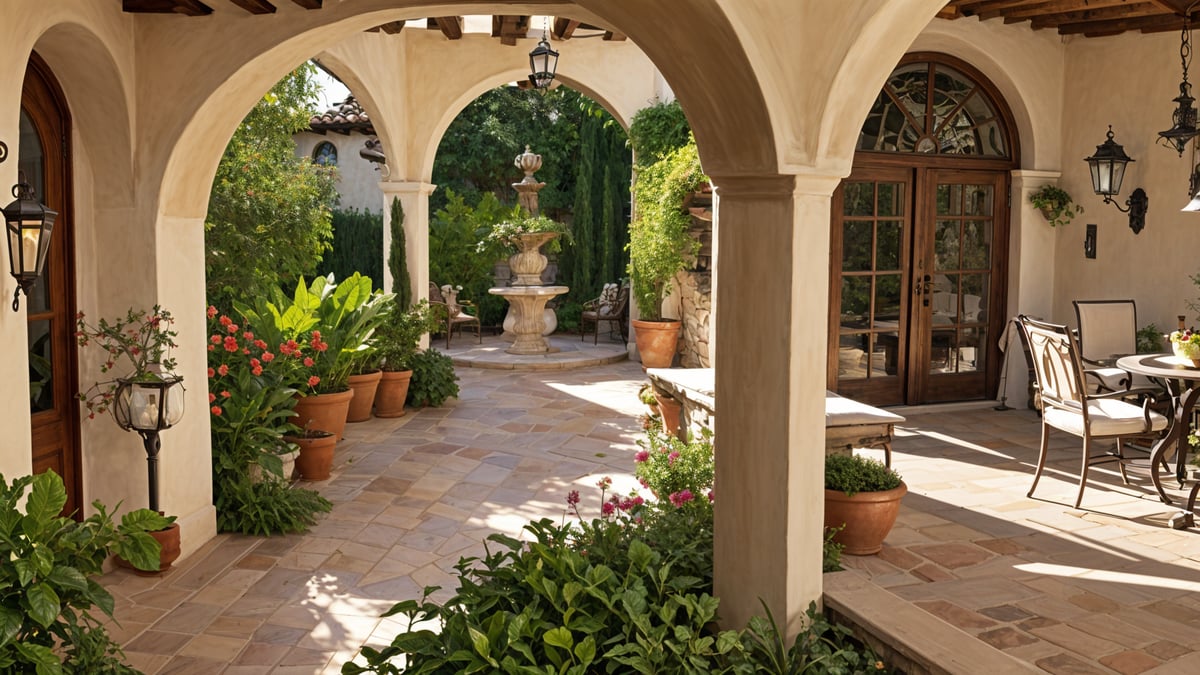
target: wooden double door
917 284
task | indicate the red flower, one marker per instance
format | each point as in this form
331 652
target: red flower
308 362
212 373
248 335
225 394
211 397
314 381
255 363
260 344
216 339
256 370
268 357
607 509
212 311
216 410
223 370
231 344
573 497
232 328
225 321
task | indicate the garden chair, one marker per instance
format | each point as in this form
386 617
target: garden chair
1108 331
454 313
1068 406
612 306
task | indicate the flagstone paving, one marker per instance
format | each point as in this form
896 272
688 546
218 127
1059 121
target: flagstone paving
1107 588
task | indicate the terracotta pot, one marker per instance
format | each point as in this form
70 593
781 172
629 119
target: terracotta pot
393 390
364 387
168 540
657 342
316 454
672 413
324 412
867 516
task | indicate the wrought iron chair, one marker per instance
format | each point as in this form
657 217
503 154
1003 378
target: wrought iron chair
455 314
611 306
1067 405
1108 331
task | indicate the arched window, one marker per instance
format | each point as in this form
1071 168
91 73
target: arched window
325 154
932 108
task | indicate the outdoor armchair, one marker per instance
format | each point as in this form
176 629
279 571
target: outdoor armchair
612 306
454 313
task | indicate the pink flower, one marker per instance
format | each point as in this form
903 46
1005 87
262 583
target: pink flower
607 509
682 497
604 483
710 496
671 458
573 497
642 456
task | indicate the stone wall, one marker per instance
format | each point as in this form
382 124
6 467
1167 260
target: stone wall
695 291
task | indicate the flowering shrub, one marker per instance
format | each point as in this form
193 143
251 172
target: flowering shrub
140 340
251 395
675 471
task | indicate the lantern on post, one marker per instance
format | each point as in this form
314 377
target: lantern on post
147 407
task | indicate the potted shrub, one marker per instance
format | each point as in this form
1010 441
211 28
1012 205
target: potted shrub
48 563
433 379
1055 204
659 247
147 398
396 342
862 496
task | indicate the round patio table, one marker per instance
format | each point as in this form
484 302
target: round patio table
1182 381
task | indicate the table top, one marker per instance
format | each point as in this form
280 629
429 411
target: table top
1159 365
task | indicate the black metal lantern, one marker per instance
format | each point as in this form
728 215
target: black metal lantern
148 407
1108 172
1183 128
29 225
543 62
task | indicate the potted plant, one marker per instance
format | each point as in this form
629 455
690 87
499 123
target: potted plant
396 342
1055 204
525 235
433 379
48 564
146 399
862 496
659 247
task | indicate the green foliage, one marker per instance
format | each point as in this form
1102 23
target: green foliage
823 647
1056 203
357 245
675 470
853 474
397 338
140 342
504 235
269 211
252 398
569 314
1149 339
831 551
583 258
461 253
398 258
433 379
656 131
47 565
659 243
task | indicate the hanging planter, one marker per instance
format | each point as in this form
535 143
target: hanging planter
1055 204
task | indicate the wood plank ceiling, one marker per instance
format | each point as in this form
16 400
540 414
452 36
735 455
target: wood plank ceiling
1090 18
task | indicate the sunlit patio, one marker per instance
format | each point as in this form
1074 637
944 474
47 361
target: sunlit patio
1108 588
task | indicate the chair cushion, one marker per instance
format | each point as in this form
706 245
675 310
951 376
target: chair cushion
1113 379
608 298
1109 417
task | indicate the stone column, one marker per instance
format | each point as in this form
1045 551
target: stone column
414 199
1031 275
772 232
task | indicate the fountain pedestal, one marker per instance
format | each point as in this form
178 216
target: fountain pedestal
528 304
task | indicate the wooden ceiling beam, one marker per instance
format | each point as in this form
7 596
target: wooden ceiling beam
613 36
509 28
1105 14
982 6
451 26
563 28
1179 7
255 6
391 27
184 7
1112 27
309 4
1061 7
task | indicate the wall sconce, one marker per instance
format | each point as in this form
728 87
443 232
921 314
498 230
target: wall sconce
29 224
543 62
1108 170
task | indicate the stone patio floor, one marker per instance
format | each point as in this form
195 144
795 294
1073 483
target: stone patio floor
1107 588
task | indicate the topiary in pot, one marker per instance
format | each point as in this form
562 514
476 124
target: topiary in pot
862 496
433 379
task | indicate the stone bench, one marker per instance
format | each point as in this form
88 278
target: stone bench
848 423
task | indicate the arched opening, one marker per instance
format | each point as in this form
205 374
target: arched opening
919 240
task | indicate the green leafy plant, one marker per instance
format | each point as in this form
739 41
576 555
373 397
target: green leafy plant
433 379
357 241
657 130
398 258
659 243
505 234
822 647
138 344
252 388
460 252
1149 339
397 338
831 551
853 474
1055 203
47 569
676 471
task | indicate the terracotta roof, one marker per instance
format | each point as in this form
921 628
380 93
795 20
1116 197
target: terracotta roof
344 117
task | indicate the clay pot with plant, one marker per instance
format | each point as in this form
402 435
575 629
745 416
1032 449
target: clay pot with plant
862 497
1055 204
396 342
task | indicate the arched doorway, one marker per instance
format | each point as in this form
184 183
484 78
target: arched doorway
50 307
919 240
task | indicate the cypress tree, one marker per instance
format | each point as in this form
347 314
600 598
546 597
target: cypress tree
398 258
583 270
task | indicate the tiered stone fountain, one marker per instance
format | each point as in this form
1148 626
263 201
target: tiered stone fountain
527 297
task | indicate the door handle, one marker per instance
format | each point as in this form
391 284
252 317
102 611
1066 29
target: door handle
923 288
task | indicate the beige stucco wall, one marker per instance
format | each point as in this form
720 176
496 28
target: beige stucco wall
357 179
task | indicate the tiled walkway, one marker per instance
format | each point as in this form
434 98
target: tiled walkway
1104 589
